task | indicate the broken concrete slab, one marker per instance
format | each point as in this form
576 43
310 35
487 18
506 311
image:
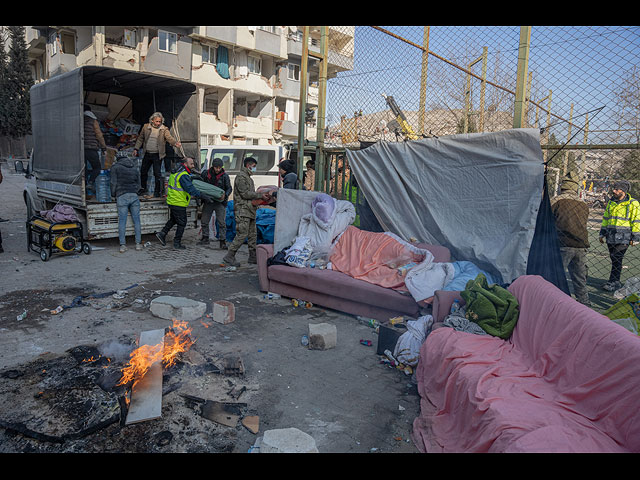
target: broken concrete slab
287 440
322 336
181 308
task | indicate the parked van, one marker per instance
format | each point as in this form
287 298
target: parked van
232 156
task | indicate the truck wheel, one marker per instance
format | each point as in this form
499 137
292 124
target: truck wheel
44 255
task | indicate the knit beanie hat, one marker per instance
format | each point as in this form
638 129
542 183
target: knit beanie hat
623 185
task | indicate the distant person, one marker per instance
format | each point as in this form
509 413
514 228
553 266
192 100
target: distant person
179 195
289 173
245 212
125 183
153 138
216 175
572 214
93 143
310 176
620 229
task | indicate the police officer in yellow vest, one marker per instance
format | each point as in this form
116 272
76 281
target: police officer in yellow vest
179 193
620 228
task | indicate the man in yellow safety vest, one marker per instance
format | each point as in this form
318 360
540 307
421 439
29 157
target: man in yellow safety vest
620 228
179 193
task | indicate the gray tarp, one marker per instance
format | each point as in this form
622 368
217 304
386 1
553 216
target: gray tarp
477 194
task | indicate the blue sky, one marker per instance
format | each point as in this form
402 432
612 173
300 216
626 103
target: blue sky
581 65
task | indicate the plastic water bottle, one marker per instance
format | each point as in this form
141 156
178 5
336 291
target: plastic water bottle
103 187
455 306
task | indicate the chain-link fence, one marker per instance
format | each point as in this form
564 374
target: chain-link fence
582 87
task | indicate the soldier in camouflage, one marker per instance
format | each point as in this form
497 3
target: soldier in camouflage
245 212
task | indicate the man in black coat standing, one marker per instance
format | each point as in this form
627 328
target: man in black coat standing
216 175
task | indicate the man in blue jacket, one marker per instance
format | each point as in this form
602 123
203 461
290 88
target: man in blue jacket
179 193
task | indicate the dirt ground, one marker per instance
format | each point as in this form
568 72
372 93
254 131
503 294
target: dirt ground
57 388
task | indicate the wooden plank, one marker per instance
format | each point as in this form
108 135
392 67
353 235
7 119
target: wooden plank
146 394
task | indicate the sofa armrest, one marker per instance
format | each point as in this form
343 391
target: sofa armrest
442 301
440 254
264 252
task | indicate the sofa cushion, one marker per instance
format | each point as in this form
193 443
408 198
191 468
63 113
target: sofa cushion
338 284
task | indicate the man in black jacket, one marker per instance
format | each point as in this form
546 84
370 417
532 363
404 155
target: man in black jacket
216 176
125 183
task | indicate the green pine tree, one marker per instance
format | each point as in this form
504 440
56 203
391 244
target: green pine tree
4 100
19 82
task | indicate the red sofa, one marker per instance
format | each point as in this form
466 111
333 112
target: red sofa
337 290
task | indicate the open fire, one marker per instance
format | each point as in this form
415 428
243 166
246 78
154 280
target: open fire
176 341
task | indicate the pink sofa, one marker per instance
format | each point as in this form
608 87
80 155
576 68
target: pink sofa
568 380
337 290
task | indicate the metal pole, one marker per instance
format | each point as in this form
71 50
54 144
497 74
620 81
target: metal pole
303 101
322 107
521 85
483 88
423 80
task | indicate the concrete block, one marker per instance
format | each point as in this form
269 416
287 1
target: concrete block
223 312
177 307
322 336
287 440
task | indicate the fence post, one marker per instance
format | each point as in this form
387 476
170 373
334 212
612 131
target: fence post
303 101
521 81
322 101
423 79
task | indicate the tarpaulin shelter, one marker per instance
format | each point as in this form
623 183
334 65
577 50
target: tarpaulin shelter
478 194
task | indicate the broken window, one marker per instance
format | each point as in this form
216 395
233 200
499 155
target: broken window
208 54
254 64
293 72
167 41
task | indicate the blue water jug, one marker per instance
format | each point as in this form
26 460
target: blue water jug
103 187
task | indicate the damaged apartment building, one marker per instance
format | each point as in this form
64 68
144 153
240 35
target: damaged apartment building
247 77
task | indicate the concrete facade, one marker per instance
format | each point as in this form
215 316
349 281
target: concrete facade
257 103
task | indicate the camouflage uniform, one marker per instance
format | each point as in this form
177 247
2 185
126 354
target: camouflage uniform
245 214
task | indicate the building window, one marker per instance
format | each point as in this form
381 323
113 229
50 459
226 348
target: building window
167 41
268 29
53 40
254 64
293 72
208 54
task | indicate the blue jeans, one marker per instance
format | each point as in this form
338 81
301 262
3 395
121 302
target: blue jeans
128 202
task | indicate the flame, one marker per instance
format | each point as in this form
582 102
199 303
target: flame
176 341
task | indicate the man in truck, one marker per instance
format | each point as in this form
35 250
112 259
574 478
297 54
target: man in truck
153 139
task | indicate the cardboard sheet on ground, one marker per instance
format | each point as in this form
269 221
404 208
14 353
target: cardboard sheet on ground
477 194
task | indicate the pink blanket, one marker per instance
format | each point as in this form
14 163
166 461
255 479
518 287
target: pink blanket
568 380
374 257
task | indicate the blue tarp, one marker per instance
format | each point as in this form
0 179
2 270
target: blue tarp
265 224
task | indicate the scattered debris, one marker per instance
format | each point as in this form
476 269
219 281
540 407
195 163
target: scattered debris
287 440
251 423
233 366
322 336
168 307
22 316
223 312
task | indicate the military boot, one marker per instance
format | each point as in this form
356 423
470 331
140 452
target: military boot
230 259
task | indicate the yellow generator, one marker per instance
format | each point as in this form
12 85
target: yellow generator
48 237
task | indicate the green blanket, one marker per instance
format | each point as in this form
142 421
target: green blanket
492 307
208 189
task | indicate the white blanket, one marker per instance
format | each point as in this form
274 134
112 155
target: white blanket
328 219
